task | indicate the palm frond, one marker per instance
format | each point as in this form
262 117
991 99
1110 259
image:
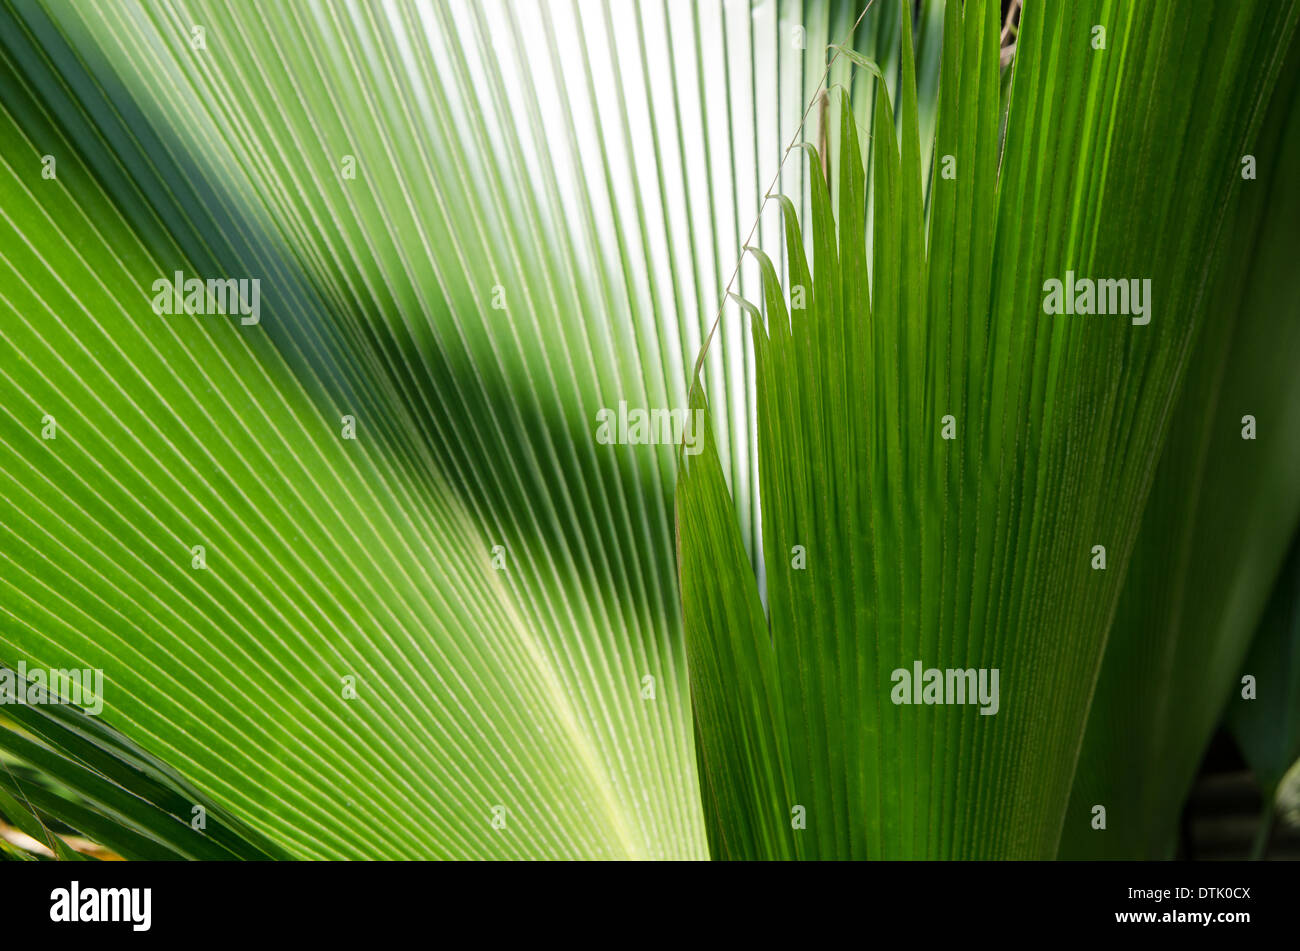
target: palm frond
1003 548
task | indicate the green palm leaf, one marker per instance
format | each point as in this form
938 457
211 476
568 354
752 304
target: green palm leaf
1221 513
466 632
524 243
976 552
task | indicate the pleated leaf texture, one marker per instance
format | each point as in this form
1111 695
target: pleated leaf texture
475 225
954 470
365 581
